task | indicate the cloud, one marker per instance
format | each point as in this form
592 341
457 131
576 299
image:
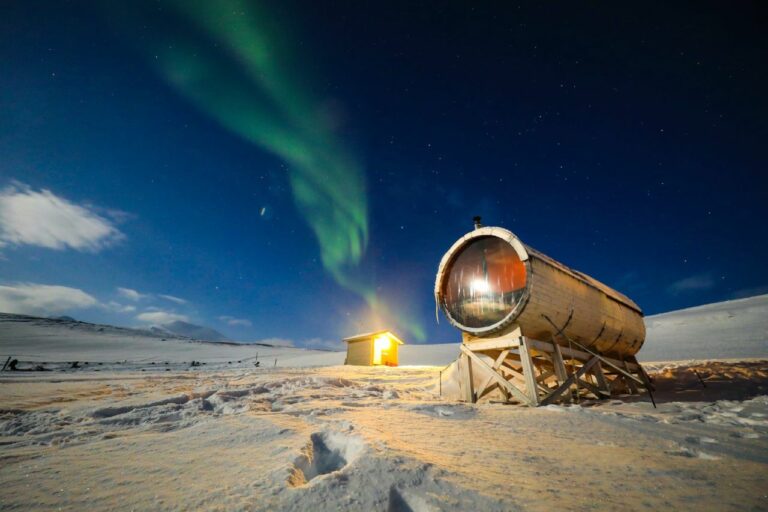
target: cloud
135 296
161 317
130 294
43 299
119 308
171 298
230 320
692 284
43 219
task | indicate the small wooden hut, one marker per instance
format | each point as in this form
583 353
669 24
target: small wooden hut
372 349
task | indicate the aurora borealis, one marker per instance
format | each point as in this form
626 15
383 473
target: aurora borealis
246 83
230 62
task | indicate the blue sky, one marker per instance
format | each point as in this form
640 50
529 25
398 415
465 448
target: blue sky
627 145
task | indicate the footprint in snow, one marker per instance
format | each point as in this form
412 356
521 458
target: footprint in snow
326 452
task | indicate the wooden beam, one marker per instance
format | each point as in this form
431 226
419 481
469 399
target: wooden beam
560 372
646 381
557 361
512 369
630 383
602 382
544 375
511 375
610 362
487 390
493 344
529 371
544 346
466 378
599 393
513 361
500 359
501 381
613 363
569 381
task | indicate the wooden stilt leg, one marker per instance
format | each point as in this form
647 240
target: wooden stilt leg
466 378
560 372
529 372
602 382
557 361
630 383
641 373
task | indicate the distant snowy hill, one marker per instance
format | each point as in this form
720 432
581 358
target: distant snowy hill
197 332
734 329
52 340
9 323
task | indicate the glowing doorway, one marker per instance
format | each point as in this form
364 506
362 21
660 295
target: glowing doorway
381 347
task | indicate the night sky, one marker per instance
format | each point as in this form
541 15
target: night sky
297 170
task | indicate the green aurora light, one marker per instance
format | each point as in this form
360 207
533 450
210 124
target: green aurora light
230 60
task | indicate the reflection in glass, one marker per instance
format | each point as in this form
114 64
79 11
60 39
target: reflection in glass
484 282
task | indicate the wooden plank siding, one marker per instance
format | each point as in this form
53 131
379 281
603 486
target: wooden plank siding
360 353
597 320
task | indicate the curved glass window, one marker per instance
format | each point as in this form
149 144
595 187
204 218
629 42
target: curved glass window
484 282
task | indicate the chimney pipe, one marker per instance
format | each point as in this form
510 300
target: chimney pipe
476 219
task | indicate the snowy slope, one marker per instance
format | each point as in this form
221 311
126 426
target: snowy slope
197 332
727 330
52 340
734 329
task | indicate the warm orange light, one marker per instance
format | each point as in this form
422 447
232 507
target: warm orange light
381 346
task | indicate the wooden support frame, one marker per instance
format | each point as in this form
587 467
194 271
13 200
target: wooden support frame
573 379
534 372
500 380
496 365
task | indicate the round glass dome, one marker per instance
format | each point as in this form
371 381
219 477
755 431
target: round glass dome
484 282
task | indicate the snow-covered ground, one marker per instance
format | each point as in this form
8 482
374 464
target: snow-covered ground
355 438
307 435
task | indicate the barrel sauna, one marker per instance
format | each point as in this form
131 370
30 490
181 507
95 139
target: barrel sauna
489 283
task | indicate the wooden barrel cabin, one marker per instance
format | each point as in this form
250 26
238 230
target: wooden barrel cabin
489 280
530 322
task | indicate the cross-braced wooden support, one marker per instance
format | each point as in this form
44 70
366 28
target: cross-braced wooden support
535 372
